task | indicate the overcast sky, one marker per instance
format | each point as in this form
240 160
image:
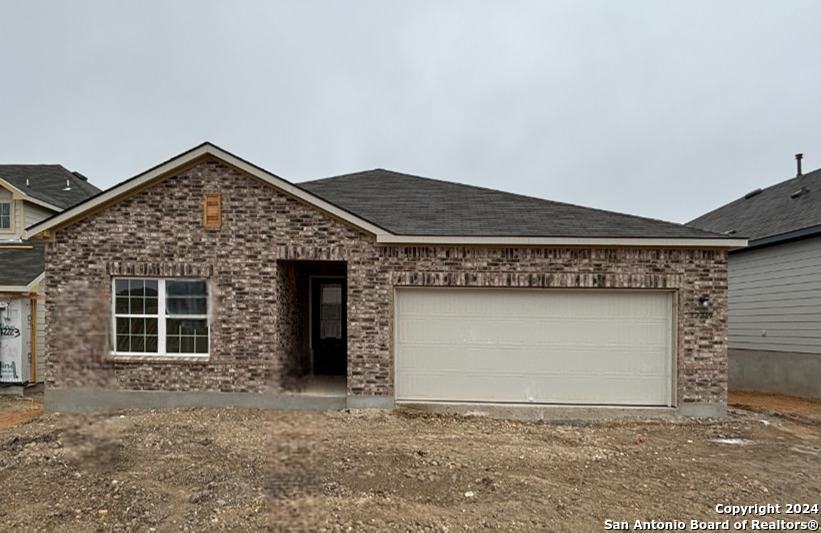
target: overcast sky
660 109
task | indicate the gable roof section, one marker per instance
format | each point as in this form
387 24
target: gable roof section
174 165
46 184
401 209
22 266
416 206
784 211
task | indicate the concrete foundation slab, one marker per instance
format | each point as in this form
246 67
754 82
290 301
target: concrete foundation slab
796 374
370 402
88 399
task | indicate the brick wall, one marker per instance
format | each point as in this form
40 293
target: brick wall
249 262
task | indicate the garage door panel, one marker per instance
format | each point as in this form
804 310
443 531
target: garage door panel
594 331
585 347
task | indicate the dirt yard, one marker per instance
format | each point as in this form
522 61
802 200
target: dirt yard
251 470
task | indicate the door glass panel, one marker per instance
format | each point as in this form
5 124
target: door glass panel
331 294
330 312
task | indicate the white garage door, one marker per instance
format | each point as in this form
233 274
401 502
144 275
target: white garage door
534 346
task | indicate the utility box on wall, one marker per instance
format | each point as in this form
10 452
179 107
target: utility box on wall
15 341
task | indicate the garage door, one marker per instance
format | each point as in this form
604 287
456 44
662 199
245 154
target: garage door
534 346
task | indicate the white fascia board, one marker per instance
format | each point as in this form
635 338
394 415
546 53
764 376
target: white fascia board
201 151
36 281
41 203
390 239
22 289
16 193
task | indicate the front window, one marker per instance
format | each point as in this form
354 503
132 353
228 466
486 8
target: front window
5 215
160 317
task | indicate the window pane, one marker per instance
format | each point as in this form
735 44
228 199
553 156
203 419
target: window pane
172 344
151 343
186 297
151 326
136 287
121 287
202 345
186 345
137 344
137 326
5 215
136 307
122 326
187 336
121 307
122 343
181 305
331 294
185 288
151 287
151 307
186 327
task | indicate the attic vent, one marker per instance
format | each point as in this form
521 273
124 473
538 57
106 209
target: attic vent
730 232
212 211
80 176
752 193
799 192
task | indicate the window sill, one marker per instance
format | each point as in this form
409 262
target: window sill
180 359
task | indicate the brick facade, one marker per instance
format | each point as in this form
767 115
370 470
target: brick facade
252 262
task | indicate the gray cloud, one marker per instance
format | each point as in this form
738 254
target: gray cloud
659 109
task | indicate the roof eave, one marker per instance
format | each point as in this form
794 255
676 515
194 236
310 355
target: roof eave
27 288
783 238
644 242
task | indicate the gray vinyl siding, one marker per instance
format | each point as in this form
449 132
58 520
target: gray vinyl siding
35 213
775 298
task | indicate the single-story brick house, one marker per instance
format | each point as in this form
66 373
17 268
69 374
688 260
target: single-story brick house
208 280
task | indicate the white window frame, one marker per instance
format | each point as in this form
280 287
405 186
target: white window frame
161 317
9 229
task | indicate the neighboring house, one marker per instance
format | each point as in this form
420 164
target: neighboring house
775 286
28 194
207 281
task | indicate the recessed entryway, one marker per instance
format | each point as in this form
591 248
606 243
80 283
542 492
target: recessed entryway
329 338
312 320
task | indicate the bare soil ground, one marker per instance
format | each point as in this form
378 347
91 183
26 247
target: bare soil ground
253 470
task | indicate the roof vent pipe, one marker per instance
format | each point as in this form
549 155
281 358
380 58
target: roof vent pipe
68 186
798 158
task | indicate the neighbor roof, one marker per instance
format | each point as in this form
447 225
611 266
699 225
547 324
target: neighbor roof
21 265
47 183
400 209
412 205
776 213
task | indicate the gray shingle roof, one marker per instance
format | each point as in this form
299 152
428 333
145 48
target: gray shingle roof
22 266
48 182
412 205
772 211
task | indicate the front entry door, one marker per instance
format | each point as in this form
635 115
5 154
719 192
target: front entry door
329 338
